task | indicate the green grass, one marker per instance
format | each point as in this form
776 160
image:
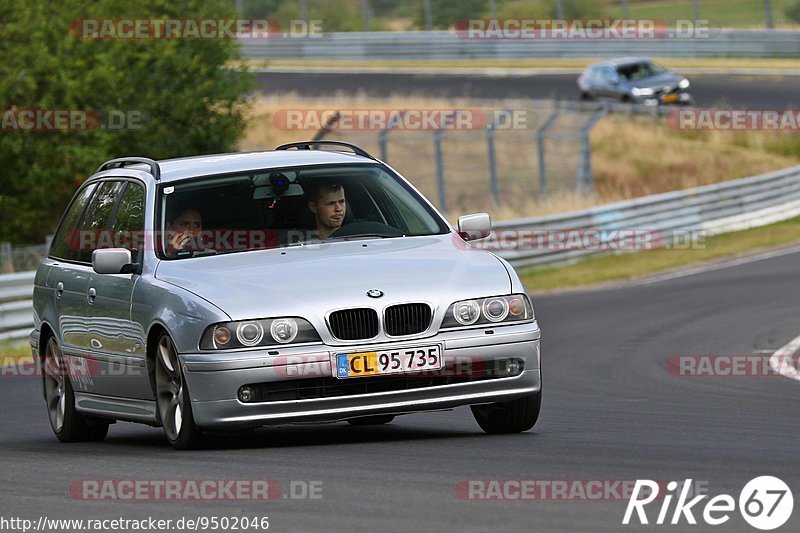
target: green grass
721 13
619 267
14 348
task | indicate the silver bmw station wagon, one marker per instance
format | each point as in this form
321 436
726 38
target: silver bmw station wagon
311 283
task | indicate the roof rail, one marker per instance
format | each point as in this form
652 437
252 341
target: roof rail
121 162
307 145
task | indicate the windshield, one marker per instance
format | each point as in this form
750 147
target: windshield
274 208
639 71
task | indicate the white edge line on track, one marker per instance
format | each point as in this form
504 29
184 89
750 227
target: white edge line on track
782 363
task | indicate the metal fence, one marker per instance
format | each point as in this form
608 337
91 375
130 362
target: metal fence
432 45
22 258
711 209
525 149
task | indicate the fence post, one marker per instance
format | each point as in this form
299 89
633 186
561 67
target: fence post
490 132
437 143
323 131
540 133
585 178
6 257
383 137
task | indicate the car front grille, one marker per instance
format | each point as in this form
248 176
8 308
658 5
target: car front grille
362 323
328 387
406 319
354 324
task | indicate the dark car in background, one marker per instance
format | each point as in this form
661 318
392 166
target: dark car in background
635 80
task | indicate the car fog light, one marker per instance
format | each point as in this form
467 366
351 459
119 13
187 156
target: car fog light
222 335
284 330
467 313
246 394
495 309
511 367
249 333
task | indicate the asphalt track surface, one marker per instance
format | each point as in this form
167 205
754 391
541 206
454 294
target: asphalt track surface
611 412
733 90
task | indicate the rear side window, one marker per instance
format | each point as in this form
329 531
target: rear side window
66 243
98 218
128 228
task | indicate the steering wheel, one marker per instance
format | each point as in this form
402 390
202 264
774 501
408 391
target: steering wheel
359 227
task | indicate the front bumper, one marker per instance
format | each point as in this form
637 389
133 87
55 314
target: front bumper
214 379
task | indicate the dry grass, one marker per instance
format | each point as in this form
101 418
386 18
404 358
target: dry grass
631 156
637 157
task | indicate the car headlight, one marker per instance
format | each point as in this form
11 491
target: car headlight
643 91
491 310
684 84
261 332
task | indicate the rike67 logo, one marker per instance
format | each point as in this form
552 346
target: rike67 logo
765 503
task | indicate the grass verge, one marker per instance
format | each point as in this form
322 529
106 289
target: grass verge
620 267
14 348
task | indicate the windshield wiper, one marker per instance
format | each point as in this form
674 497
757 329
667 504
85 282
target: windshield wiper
363 236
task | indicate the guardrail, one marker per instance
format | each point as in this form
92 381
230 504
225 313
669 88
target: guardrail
16 305
415 45
712 209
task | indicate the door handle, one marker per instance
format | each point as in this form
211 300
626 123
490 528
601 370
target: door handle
92 295
59 290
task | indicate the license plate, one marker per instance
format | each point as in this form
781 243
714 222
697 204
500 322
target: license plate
384 362
670 98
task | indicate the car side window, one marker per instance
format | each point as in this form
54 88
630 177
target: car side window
98 217
128 228
610 75
66 243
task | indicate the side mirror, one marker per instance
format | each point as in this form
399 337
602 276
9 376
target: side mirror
112 261
474 227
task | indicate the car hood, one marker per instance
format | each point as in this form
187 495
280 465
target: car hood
310 280
667 79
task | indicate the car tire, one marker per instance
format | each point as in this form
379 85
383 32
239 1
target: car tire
586 97
371 420
172 397
67 423
509 417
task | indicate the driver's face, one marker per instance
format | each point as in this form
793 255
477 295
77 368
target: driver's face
329 210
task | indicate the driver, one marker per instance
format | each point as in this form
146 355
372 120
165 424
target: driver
183 232
327 202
